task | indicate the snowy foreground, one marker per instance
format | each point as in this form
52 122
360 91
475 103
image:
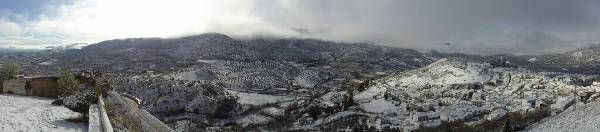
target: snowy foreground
582 118
25 113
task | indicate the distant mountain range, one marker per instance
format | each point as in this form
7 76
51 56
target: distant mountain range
580 61
143 53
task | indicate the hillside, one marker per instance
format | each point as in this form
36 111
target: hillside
476 95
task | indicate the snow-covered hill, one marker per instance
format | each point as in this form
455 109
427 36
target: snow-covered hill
454 91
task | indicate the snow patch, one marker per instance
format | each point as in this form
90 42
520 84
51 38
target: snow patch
380 106
259 99
253 119
207 61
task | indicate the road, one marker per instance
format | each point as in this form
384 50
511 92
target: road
35 114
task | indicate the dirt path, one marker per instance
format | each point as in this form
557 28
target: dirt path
35 114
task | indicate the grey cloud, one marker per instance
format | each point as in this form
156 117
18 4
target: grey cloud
516 26
530 42
470 26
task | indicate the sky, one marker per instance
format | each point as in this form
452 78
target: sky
466 26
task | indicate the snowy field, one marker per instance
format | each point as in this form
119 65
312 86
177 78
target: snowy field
35 114
259 99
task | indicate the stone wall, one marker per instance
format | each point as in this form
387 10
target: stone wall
38 86
15 86
43 86
94 119
126 115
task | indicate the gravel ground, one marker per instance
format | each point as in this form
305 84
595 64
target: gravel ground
35 114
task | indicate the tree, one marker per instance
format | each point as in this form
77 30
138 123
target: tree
103 85
350 87
10 71
67 84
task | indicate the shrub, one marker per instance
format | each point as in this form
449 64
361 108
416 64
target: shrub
314 111
103 84
10 71
67 84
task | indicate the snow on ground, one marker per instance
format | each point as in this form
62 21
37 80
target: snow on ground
338 116
35 114
380 106
369 94
446 71
253 119
208 61
259 99
583 118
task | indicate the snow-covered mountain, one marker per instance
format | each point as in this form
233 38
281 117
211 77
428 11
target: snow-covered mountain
163 54
190 80
579 61
215 82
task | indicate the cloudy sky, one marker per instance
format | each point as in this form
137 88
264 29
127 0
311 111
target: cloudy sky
470 26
